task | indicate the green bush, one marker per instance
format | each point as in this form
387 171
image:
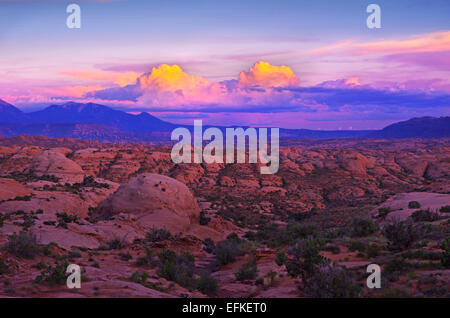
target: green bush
398 264
64 219
209 246
125 256
362 227
148 259
414 205
74 254
275 236
177 268
332 248
402 234
383 212
247 271
445 257
280 259
158 235
304 257
207 284
54 275
373 250
228 250
424 216
330 281
4 269
23 245
357 246
115 244
203 219
420 254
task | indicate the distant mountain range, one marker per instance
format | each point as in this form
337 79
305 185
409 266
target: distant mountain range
98 122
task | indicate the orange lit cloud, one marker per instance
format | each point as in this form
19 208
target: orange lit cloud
352 81
169 86
267 75
171 78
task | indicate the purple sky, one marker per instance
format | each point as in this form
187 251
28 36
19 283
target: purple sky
294 64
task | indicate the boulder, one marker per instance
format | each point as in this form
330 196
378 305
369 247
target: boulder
156 200
54 163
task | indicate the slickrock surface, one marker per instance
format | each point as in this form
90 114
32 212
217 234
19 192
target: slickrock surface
54 163
109 208
156 201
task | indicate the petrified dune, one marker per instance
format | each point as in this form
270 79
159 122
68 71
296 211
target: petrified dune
156 200
54 163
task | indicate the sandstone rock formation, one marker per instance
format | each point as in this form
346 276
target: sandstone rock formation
10 189
158 201
54 163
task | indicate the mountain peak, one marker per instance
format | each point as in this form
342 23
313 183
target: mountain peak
9 112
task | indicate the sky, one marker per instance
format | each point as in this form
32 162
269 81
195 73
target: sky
290 64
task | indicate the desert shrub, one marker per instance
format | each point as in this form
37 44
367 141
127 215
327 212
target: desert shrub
274 236
203 219
28 221
398 264
228 250
402 234
209 246
157 235
445 209
148 259
424 216
54 275
361 227
332 248
125 256
280 259
330 281
270 278
178 268
420 254
23 245
115 244
207 284
445 256
4 269
413 205
299 217
22 198
89 181
383 212
373 250
64 219
357 246
247 271
304 257
139 277
74 254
